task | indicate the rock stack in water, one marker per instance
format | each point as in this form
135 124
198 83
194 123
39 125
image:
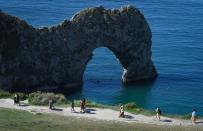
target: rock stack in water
55 58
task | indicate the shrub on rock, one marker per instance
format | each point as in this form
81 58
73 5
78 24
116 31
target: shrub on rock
40 98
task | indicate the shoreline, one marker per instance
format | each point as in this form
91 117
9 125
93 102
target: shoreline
98 114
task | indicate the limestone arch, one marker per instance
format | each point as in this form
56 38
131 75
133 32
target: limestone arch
125 32
55 57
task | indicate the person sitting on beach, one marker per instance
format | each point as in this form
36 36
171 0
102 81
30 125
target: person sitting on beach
193 117
121 113
158 113
72 106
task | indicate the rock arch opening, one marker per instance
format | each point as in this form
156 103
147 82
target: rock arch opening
103 66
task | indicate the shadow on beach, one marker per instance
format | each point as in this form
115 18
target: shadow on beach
90 111
23 104
199 122
166 120
57 109
128 117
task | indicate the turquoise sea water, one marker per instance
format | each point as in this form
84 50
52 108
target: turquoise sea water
177 27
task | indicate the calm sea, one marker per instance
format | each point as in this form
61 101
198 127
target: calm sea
177 27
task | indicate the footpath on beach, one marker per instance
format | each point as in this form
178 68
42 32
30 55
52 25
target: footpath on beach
96 114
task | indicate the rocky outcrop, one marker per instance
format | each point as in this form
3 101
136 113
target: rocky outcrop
56 57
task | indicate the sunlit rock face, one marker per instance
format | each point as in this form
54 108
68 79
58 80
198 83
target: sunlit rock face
56 57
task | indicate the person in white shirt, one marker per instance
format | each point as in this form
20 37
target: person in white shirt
121 113
158 113
194 116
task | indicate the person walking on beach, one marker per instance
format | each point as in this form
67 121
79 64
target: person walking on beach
51 102
16 99
84 102
121 113
194 116
158 113
82 105
72 106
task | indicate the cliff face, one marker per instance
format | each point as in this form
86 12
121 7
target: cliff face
56 57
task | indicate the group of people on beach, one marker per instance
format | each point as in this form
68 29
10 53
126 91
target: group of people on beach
159 112
82 105
121 111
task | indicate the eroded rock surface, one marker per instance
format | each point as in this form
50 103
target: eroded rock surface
56 57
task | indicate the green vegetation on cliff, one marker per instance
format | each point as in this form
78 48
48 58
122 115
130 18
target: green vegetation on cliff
39 98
